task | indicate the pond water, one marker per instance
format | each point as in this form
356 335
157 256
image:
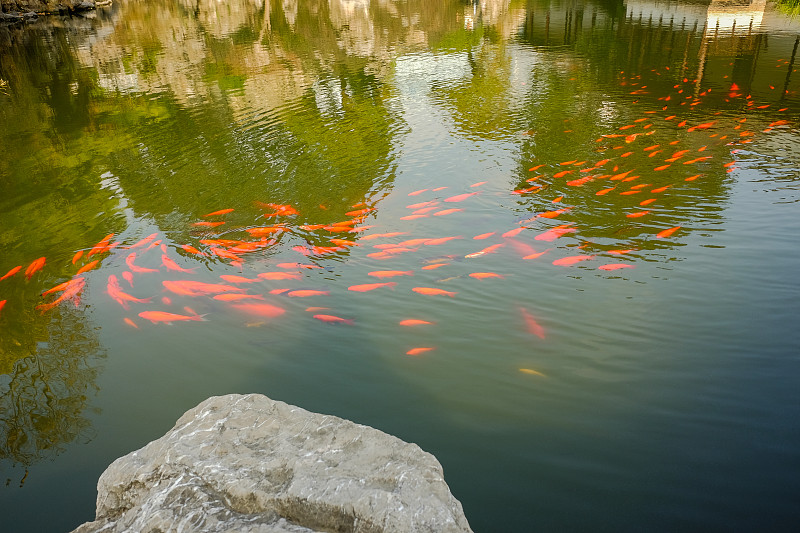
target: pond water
595 205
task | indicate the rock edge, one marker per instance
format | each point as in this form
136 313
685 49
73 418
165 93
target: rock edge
247 463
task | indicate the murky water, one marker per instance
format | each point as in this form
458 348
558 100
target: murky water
607 192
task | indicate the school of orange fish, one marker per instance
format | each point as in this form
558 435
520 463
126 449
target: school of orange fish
669 168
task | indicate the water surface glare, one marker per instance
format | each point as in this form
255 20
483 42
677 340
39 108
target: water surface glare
589 208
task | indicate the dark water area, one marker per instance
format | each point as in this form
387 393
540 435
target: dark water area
594 204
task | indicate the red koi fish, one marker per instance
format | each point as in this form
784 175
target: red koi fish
220 212
130 322
667 232
604 191
64 286
88 266
390 273
532 325
161 316
485 275
172 265
662 167
637 214
460 197
572 259
484 235
417 192
225 254
197 288
414 322
479 184
441 240
129 261
11 272
191 249
34 267
648 201
431 291
128 277
331 319
535 255
280 209
77 256
231 297
260 309
615 266
71 292
417 351
304 293
702 126
554 233
370 286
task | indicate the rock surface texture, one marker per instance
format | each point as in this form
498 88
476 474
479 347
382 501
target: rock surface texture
18 8
252 464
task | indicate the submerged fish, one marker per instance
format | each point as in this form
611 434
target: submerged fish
417 351
331 319
532 325
389 273
162 316
414 322
434 291
369 286
260 309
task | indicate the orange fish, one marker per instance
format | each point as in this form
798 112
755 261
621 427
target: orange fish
648 201
144 241
172 265
191 249
553 214
513 232
620 252
460 197
411 242
533 326
77 256
446 212
572 259
266 230
484 235
379 235
390 273
122 298
129 261
2 304
431 291
197 288
206 224
563 173
297 265
485 275
434 266
130 322
72 292
413 217
422 204
101 246
369 286
231 297
11 272
535 255
280 275
238 279
604 191
220 212
417 351
702 126
479 184
615 266
441 240
63 286
34 267
414 322
532 372
554 233
359 212
128 277
88 266
667 232
488 250
162 316
661 189
260 309
330 319
303 293
279 291
417 192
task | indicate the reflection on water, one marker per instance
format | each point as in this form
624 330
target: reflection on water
562 181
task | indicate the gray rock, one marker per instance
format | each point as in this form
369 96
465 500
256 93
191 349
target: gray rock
252 464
